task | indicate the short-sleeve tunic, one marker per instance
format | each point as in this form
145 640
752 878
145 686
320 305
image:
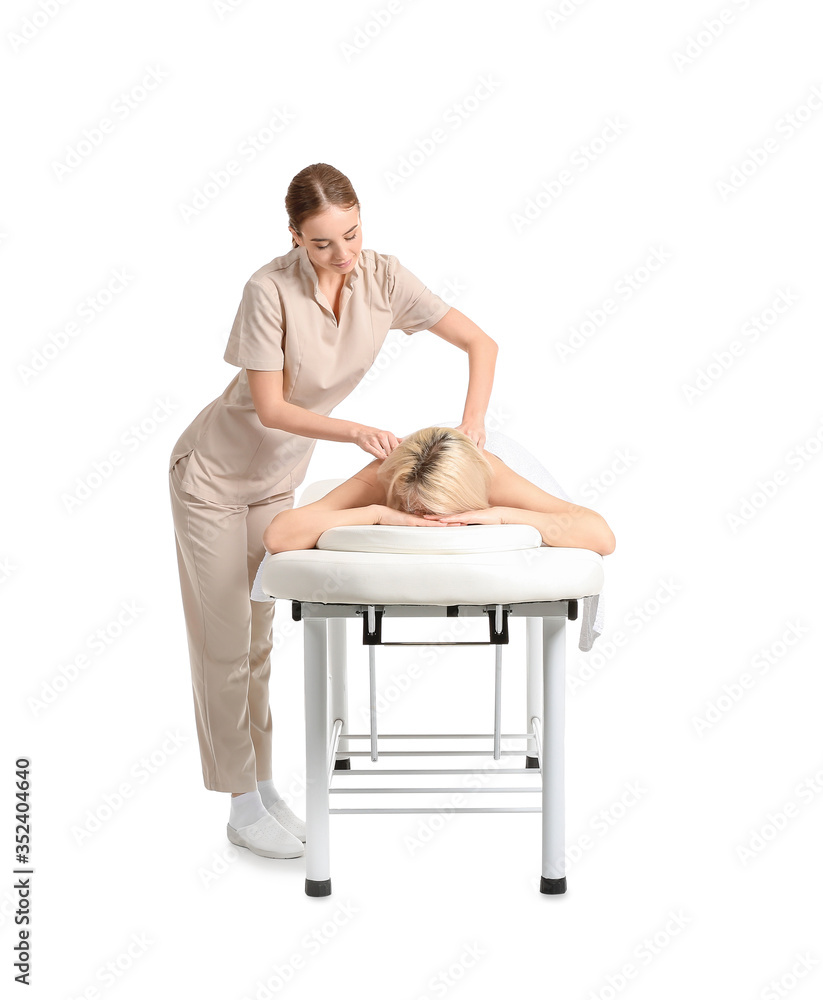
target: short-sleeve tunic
284 322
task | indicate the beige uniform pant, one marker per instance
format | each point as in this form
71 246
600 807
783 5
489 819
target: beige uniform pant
219 550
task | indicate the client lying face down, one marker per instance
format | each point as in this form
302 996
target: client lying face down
438 477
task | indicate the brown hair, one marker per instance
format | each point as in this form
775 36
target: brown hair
438 470
313 190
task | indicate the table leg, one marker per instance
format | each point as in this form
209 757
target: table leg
553 873
315 677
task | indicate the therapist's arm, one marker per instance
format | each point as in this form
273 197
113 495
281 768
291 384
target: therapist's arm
273 411
457 329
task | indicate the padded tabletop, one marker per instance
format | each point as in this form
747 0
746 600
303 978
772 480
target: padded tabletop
465 564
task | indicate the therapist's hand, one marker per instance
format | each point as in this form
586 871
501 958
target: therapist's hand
475 430
375 442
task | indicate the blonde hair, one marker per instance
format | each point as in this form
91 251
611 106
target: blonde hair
436 470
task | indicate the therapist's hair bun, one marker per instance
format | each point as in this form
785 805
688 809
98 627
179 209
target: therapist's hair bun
436 470
313 190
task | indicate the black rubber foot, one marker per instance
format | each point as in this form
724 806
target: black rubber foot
318 887
552 886
532 762
343 764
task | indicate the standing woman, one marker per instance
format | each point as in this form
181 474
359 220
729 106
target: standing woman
309 326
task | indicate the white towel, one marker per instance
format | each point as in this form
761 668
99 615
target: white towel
522 462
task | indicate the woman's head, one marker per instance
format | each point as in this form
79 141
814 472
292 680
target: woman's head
324 217
436 470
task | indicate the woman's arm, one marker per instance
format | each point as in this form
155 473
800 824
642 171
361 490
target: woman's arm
458 329
273 411
359 500
516 500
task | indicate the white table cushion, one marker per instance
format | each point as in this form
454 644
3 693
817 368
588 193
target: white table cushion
467 564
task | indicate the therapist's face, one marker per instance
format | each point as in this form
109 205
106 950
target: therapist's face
332 238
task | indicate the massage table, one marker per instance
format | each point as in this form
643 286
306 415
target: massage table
375 572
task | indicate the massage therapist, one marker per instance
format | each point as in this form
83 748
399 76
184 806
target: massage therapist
309 326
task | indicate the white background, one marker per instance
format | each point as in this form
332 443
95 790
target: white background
716 169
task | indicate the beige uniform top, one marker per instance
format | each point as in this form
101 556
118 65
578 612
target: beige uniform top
284 322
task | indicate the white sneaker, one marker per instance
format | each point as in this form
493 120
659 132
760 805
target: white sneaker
287 819
267 837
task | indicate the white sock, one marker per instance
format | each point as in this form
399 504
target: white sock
246 809
268 793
